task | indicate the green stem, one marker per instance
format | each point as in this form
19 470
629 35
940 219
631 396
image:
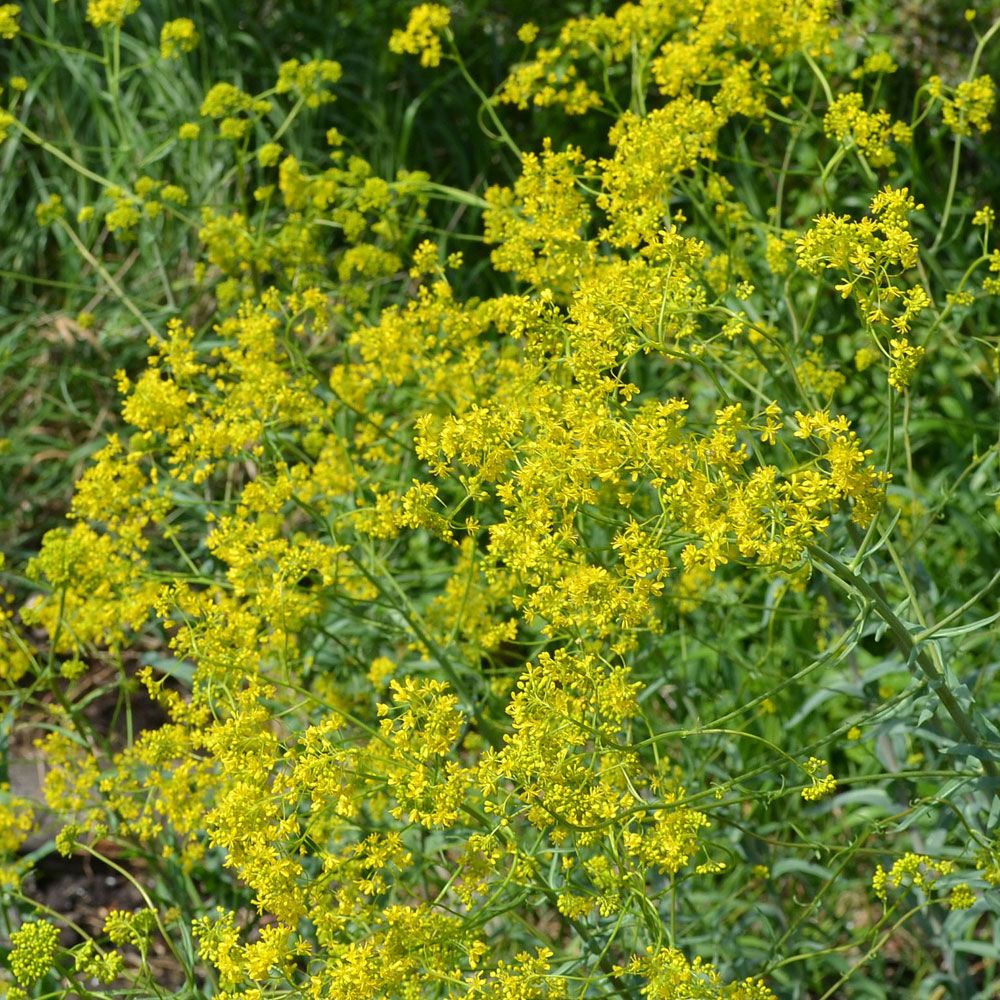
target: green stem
907 646
127 875
60 155
486 103
109 280
950 196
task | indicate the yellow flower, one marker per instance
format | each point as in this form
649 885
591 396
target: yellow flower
917 870
985 216
822 784
905 359
6 120
310 80
871 132
34 950
268 154
970 108
9 25
177 37
527 33
110 13
50 210
422 34
382 668
961 897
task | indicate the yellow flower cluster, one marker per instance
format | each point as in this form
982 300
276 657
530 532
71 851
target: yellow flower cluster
110 13
16 822
104 968
34 950
871 132
228 103
309 81
650 153
10 26
50 210
422 34
821 785
988 863
969 108
539 225
14 659
921 872
905 358
177 37
679 46
670 975
875 252
875 64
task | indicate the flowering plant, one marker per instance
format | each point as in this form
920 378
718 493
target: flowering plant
550 602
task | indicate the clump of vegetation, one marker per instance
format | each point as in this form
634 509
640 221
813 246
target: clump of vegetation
558 562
